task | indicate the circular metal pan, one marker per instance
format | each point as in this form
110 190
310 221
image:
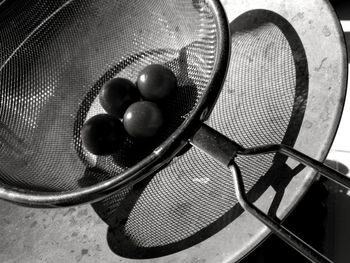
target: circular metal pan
286 84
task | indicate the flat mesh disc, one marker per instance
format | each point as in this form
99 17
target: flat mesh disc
263 101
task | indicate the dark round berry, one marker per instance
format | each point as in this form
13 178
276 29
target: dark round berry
156 83
117 95
102 134
143 120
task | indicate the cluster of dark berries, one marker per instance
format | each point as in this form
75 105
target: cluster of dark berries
131 108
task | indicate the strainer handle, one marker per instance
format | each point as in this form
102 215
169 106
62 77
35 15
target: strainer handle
283 233
224 150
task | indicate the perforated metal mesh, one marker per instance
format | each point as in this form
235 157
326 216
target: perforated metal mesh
54 63
21 17
262 102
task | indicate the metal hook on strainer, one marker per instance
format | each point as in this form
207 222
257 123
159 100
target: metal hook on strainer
55 71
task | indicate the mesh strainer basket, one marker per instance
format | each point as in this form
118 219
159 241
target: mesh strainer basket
51 77
51 73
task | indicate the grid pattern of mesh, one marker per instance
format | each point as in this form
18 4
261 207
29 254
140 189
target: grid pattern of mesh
21 17
52 70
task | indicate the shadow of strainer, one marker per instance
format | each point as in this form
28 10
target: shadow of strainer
263 101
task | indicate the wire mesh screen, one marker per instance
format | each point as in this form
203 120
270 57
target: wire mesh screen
22 18
52 70
262 102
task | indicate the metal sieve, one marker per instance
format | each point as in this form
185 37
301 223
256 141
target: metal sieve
50 76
